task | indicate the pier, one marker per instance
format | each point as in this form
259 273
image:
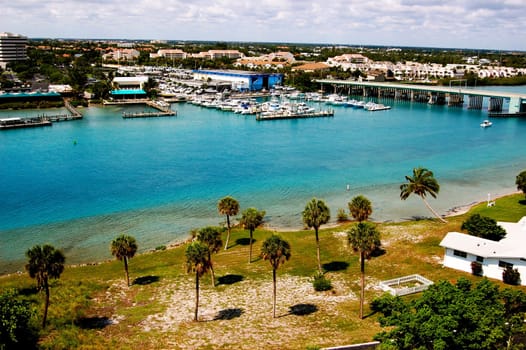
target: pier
163 111
453 96
42 120
287 115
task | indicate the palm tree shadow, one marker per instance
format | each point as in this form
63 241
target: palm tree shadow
243 241
522 202
377 252
28 291
334 266
95 322
142 281
229 314
229 279
302 309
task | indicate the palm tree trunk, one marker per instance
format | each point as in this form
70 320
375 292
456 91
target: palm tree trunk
318 249
250 251
212 270
362 292
274 291
431 210
126 270
228 235
46 304
196 295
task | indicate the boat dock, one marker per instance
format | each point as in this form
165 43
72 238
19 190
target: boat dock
287 115
454 96
42 120
131 115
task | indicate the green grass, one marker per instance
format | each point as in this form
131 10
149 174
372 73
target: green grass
87 296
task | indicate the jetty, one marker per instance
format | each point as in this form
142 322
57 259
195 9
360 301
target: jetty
41 120
454 96
292 115
163 110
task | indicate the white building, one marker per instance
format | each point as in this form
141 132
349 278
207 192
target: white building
13 47
462 249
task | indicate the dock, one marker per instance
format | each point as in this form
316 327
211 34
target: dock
17 123
131 115
287 115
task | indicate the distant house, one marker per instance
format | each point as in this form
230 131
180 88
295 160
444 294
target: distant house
462 249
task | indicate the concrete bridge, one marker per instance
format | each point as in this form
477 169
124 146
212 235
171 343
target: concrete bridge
452 95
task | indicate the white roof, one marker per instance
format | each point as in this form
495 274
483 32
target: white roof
513 245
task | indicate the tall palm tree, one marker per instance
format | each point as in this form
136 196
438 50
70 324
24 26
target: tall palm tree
251 218
316 213
364 238
228 206
360 208
421 183
197 261
276 251
211 237
124 248
45 262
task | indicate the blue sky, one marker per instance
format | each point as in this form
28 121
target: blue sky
483 24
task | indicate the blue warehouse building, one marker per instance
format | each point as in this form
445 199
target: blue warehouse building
241 80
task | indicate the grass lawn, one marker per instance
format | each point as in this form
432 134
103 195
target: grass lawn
92 308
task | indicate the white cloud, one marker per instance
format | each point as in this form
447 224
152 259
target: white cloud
447 23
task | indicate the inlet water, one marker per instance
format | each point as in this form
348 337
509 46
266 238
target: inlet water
77 185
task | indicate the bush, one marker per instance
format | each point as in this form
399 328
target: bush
320 283
511 276
483 227
15 328
161 247
342 216
476 268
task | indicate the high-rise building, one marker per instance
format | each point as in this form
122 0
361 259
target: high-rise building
13 47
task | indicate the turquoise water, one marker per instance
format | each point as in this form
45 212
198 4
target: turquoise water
79 184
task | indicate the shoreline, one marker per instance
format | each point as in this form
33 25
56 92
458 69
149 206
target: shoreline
452 212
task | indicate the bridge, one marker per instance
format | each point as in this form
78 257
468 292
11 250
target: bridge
450 95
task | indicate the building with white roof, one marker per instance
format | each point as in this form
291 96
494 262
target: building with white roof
462 249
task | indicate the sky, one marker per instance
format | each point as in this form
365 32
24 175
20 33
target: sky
474 24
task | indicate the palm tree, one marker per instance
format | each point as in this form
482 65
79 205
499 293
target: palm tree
364 238
316 213
45 262
211 237
277 251
360 208
251 218
421 183
197 261
228 206
124 248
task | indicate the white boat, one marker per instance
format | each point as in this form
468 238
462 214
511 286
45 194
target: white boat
486 123
377 107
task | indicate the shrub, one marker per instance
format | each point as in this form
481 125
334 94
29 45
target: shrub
342 216
511 276
320 283
484 227
161 247
476 268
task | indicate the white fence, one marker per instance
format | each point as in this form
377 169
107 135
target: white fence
406 285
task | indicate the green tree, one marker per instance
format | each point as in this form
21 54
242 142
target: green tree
211 237
363 238
15 315
484 227
276 250
448 316
45 262
197 262
124 248
251 218
520 181
228 206
421 183
360 208
315 214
